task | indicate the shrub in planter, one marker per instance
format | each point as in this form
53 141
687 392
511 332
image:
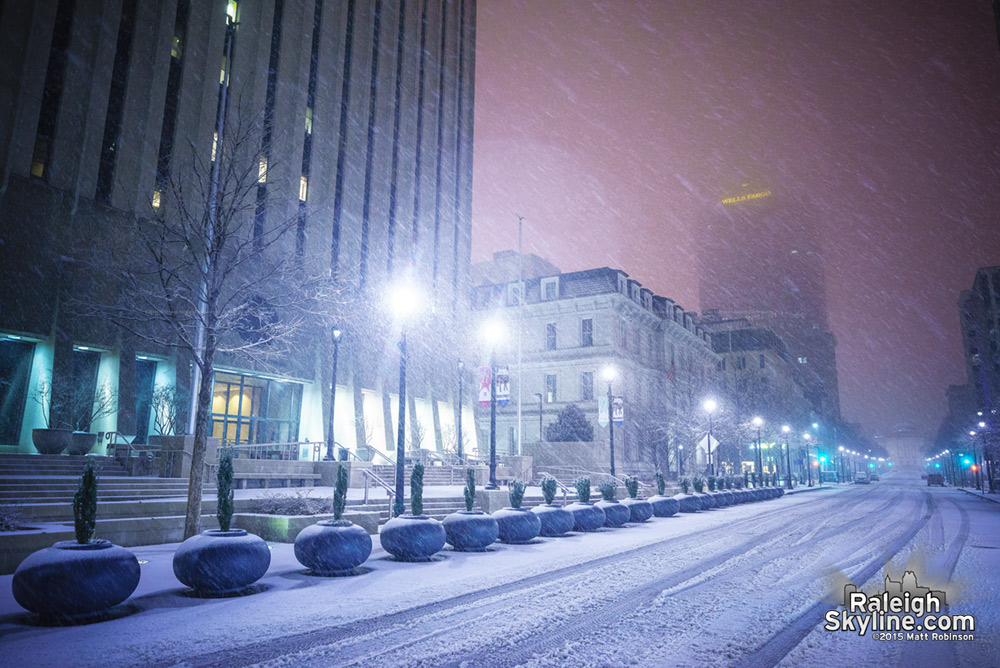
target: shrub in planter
555 520
638 509
687 503
615 514
334 547
470 530
663 506
517 524
76 580
707 502
413 537
586 516
223 562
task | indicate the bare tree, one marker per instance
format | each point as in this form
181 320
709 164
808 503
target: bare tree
209 276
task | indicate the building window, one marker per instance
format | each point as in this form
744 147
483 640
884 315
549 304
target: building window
622 337
215 144
587 385
803 360
550 336
762 362
157 195
587 332
636 342
309 120
303 188
248 409
550 388
513 294
721 365
550 289
741 363
55 76
622 285
262 170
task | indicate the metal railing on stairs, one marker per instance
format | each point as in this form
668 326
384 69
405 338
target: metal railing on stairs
374 479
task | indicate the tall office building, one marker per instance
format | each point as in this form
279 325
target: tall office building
360 114
760 260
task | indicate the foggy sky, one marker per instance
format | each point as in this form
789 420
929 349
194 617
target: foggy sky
616 128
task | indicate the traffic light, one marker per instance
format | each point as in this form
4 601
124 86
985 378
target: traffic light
966 461
974 467
937 465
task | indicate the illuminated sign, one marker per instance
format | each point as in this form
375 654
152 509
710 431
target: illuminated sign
747 198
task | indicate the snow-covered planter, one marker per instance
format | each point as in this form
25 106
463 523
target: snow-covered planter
51 441
639 510
663 506
615 514
517 524
586 516
555 520
81 442
706 500
688 503
223 562
470 530
780 492
334 547
75 580
413 537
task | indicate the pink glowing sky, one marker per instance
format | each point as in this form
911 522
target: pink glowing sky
615 128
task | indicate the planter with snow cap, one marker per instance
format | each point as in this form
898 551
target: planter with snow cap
470 530
688 503
615 514
555 520
51 441
517 524
586 516
706 501
220 563
81 442
638 509
334 547
413 537
664 506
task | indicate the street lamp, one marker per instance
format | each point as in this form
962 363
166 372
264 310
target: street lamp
609 375
809 473
843 472
540 436
788 458
461 374
335 337
680 453
492 333
758 458
710 405
404 300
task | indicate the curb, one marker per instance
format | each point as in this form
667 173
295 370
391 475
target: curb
979 495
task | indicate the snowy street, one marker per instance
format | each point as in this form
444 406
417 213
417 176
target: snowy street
743 586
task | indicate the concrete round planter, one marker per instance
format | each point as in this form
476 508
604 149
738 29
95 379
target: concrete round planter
720 499
517 525
555 519
81 442
707 502
586 516
639 510
615 514
470 530
780 491
730 500
218 563
73 582
757 494
412 537
333 547
743 496
688 503
51 441
664 506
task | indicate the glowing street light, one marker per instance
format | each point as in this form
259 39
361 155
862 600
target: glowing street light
758 458
609 373
492 332
403 302
788 457
710 405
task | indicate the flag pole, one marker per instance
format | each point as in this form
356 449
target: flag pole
520 305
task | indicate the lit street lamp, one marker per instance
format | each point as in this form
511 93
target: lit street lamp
758 458
680 453
710 407
788 458
609 375
806 437
335 336
404 300
492 333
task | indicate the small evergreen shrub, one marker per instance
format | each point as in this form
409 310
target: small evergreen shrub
85 506
661 484
746 479
470 489
224 477
632 485
582 489
608 489
417 489
516 493
340 493
10 517
571 424
699 484
686 484
548 488
711 483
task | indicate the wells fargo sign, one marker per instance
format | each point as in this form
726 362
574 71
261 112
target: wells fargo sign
746 198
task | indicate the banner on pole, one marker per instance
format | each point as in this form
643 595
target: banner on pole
602 411
618 410
503 386
484 386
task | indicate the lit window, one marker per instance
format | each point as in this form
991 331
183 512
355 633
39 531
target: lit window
550 336
175 48
156 199
803 360
215 144
262 170
550 388
309 120
231 10
303 189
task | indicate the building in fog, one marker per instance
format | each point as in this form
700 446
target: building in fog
759 259
362 117
979 312
573 324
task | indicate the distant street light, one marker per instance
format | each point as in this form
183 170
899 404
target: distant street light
788 458
609 375
492 333
710 405
758 458
806 436
335 337
404 300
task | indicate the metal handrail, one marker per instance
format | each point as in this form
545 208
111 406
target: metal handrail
369 476
285 451
563 488
384 456
578 471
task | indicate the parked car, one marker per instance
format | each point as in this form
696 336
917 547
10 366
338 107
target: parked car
862 480
935 479
873 477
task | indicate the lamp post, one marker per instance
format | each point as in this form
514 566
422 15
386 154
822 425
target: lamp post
404 301
461 373
680 453
492 333
758 458
788 458
819 466
335 337
710 405
540 433
842 475
609 375
809 473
